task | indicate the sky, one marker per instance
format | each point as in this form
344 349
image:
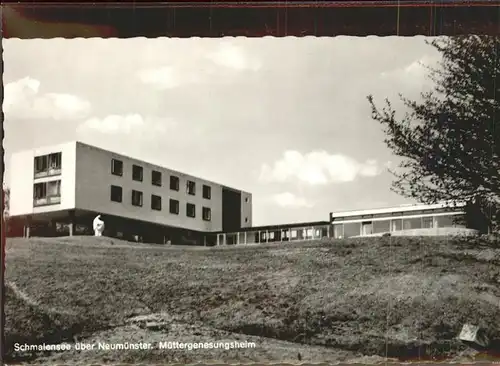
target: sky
286 119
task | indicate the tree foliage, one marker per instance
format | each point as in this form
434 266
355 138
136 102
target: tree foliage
450 139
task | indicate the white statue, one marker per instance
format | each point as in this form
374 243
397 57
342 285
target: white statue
98 226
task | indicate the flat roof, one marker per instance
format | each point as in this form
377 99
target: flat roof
401 208
160 166
278 227
78 142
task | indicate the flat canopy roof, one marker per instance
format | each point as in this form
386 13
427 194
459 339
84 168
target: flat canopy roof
279 227
403 208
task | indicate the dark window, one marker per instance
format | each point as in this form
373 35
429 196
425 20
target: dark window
246 219
174 207
397 225
116 194
40 190
137 172
191 187
136 198
414 223
156 178
427 222
174 183
55 161
359 217
246 199
54 189
352 229
117 167
381 226
41 164
207 192
445 221
382 216
155 202
411 213
207 214
190 210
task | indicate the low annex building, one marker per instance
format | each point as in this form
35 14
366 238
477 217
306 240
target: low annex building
419 219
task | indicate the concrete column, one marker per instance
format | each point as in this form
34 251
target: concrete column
52 227
267 236
26 231
237 238
218 240
224 241
246 239
313 233
27 227
71 223
434 222
290 234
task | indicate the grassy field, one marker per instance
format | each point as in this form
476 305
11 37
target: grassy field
404 298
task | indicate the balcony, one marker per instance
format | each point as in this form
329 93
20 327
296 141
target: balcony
47 193
47 165
47 173
44 201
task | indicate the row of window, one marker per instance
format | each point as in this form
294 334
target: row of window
47 193
275 235
388 215
47 165
137 199
156 179
384 226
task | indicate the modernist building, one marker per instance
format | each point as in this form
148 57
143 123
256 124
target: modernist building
435 219
68 184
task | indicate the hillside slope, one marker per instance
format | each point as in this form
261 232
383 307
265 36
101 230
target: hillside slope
403 298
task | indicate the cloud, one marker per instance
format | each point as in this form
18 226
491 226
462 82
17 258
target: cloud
230 56
22 100
287 199
200 67
167 77
318 168
126 124
415 72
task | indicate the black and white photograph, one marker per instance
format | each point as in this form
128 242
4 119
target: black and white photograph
237 200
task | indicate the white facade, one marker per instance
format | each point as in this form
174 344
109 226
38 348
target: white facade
22 180
86 179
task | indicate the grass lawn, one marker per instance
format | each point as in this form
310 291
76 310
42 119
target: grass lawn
403 297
